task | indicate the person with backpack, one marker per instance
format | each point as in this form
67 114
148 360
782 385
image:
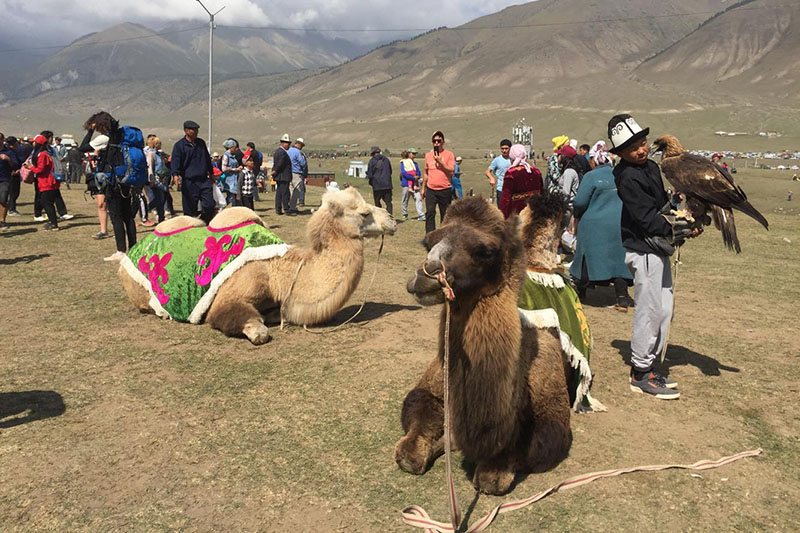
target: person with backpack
121 172
191 164
158 174
40 165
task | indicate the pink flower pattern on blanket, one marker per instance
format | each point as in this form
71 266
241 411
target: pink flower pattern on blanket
216 256
155 268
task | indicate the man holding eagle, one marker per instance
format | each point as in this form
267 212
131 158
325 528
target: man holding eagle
652 228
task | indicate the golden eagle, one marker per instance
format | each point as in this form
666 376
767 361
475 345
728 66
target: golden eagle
707 187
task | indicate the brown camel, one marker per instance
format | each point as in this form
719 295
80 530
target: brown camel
509 394
321 278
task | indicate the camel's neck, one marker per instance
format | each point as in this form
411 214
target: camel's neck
486 372
328 277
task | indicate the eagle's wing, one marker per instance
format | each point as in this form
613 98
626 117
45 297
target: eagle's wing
695 175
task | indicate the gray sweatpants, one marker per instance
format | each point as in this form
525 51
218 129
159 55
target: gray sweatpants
652 282
407 194
296 191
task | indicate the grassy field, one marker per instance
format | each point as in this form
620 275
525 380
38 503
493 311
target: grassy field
112 420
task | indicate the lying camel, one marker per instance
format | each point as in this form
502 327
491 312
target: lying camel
269 278
509 384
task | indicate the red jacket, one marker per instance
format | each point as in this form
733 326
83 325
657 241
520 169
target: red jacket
518 186
43 170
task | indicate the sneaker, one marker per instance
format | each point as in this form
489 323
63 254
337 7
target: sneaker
4 225
66 216
50 227
13 213
421 217
653 384
623 303
148 223
116 256
405 217
40 218
100 235
668 383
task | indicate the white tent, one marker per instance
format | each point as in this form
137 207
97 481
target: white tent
358 169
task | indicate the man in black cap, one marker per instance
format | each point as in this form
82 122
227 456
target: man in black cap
649 234
282 174
191 163
379 175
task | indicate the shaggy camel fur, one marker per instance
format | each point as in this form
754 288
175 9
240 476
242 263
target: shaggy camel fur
509 396
328 273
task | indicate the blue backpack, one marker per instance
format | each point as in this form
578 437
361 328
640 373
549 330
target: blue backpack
133 170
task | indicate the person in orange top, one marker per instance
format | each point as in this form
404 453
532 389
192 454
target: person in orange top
41 165
437 189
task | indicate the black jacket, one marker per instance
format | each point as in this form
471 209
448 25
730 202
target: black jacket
281 166
642 193
379 173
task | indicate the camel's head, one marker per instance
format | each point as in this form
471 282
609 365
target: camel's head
477 249
358 218
542 223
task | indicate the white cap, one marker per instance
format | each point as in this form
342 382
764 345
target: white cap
301 141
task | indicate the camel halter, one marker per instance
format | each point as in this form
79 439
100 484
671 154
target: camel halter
416 516
334 328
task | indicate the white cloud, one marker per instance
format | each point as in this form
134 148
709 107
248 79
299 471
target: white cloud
60 21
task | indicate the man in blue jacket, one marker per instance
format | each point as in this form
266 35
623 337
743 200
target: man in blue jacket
379 174
191 163
299 175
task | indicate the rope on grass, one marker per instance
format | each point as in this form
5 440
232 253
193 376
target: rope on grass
417 517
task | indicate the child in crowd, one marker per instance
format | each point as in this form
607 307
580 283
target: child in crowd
649 234
247 184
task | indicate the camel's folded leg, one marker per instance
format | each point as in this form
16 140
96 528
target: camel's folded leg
238 318
495 476
423 421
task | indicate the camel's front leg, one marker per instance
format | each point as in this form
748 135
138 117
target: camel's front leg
238 318
494 476
423 421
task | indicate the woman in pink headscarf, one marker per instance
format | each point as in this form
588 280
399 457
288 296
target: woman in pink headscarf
520 183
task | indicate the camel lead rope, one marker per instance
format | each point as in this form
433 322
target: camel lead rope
449 296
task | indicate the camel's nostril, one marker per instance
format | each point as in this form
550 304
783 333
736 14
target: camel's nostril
432 268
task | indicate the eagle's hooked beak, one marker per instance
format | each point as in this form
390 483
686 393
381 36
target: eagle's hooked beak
655 147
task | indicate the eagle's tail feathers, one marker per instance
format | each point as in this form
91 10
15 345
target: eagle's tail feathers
723 221
751 211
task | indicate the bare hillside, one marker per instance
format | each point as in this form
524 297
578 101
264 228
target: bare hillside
752 48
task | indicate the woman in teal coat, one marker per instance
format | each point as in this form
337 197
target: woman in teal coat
600 257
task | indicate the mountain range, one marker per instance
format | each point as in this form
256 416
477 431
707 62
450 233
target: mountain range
689 67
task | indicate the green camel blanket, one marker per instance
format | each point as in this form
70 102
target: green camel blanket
547 301
183 269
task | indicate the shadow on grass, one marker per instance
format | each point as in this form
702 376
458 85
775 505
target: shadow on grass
23 259
17 232
17 408
678 356
371 311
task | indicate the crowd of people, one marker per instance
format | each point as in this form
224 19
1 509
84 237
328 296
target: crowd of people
613 230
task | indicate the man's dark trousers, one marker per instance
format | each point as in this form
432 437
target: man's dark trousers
282 196
433 198
195 190
385 196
